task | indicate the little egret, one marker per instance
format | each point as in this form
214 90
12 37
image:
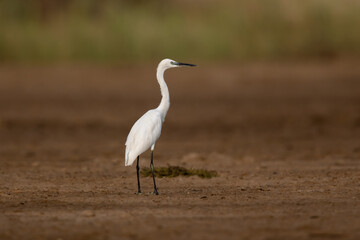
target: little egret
147 129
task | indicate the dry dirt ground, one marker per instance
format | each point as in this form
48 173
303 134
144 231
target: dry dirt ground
284 138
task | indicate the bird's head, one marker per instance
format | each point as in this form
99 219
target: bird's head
168 63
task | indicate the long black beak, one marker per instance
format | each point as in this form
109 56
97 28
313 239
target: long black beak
185 64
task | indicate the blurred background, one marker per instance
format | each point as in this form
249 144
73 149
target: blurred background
139 30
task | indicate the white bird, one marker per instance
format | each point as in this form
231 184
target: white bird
147 129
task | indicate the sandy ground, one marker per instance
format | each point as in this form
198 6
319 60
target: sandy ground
284 138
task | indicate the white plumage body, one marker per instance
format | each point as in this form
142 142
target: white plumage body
143 135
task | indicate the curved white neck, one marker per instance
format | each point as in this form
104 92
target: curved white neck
165 100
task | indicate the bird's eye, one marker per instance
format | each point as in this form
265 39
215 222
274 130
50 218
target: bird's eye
172 62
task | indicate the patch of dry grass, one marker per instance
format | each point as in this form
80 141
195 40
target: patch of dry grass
175 171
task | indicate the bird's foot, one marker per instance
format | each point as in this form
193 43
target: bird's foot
156 192
138 193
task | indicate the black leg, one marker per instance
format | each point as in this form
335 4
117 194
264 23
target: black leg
137 172
152 170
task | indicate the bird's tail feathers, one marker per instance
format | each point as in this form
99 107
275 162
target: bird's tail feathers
129 158
126 156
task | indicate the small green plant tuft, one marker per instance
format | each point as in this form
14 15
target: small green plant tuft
175 171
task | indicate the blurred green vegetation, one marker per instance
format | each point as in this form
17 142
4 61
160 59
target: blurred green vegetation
109 30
